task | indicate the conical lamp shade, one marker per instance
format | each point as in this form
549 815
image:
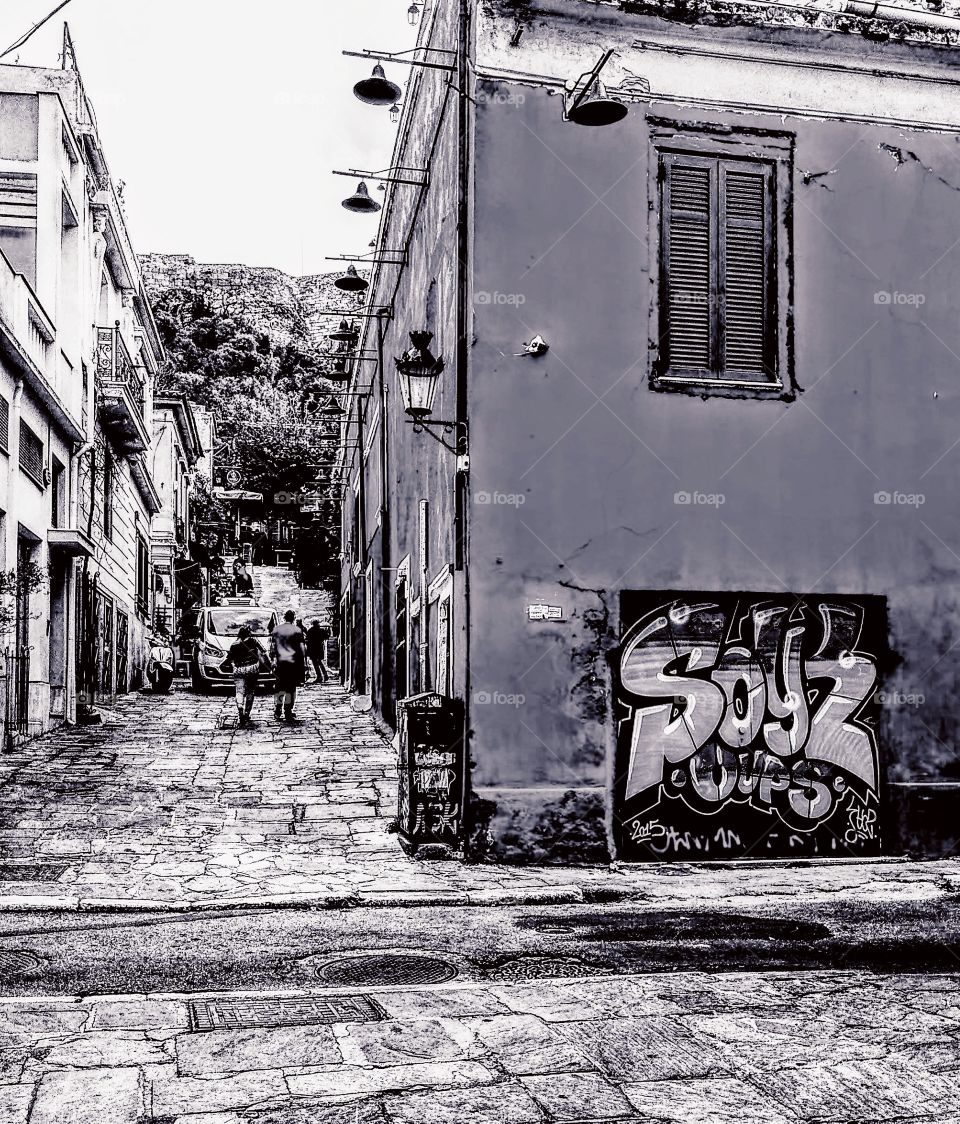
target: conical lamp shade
377 89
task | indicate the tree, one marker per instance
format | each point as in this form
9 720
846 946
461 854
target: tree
257 389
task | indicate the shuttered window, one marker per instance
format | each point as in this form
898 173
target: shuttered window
31 453
718 284
4 425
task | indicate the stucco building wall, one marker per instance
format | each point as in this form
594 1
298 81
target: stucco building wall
845 488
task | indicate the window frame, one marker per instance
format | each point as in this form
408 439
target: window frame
672 141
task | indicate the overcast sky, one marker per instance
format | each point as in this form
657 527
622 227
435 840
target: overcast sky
225 117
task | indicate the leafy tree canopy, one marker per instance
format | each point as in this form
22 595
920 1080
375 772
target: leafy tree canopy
256 388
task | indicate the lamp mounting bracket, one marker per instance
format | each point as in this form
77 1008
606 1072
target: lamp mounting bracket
388 175
401 57
349 314
429 425
375 257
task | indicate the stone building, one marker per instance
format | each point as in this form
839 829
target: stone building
689 561
79 356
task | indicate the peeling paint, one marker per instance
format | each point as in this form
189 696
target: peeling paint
907 156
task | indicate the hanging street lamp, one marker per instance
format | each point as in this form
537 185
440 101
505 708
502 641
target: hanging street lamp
377 89
360 202
351 281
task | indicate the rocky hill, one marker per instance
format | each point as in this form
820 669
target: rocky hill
290 309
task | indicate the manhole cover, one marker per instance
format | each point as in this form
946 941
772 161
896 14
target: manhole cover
16 962
244 1014
387 968
538 967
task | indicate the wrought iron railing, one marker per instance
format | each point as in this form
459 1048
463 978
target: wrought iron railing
116 367
16 715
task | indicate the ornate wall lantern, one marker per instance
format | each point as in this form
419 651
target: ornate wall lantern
419 371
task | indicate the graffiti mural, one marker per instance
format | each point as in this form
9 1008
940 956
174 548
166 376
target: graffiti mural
747 725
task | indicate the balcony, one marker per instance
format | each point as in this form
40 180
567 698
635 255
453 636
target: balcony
28 342
121 396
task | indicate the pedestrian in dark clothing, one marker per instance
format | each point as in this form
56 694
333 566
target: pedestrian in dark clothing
288 648
245 655
242 582
317 637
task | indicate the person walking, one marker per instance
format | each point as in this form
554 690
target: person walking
242 581
245 657
317 637
288 648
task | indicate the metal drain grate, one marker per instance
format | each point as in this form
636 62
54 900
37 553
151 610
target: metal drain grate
248 1014
540 967
32 872
387 968
18 962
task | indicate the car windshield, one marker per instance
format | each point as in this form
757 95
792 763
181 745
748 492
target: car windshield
228 622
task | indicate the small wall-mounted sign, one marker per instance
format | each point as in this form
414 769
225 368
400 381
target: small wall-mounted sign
541 612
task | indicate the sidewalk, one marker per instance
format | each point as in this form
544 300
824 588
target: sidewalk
168 805
684 1048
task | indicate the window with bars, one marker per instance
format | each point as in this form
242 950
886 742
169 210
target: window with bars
31 454
718 271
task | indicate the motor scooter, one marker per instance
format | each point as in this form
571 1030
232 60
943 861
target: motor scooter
160 665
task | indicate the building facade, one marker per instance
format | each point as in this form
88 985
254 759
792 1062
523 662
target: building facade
80 353
176 451
689 564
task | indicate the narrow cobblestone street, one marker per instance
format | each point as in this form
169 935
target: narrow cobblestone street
169 804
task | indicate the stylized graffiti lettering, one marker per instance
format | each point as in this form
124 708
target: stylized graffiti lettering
657 664
748 699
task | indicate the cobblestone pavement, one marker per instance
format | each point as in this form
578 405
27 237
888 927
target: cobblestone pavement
168 804
690 1048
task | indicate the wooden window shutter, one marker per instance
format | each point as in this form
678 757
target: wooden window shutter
717 274
689 264
745 322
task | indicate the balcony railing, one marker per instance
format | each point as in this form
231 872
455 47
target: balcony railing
115 366
121 387
25 315
28 340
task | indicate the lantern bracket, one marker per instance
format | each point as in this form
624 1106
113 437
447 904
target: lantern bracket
400 57
428 425
388 175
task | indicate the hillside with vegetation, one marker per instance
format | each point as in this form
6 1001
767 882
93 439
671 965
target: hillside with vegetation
250 345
